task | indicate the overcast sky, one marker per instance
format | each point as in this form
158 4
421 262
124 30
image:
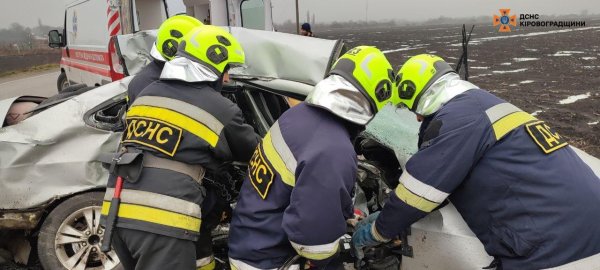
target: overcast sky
51 12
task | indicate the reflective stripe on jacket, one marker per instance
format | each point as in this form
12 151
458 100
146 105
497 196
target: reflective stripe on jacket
522 190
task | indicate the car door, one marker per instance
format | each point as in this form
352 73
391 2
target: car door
52 153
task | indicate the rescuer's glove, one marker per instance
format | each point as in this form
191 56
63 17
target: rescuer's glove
363 235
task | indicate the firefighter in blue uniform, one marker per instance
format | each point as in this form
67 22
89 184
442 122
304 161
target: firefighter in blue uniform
520 187
168 36
184 127
298 192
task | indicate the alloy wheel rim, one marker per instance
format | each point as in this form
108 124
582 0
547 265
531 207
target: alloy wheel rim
78 240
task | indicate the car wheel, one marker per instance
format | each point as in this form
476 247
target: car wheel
71 236
62 82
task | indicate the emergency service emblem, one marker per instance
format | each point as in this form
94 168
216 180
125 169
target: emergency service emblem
260 173
153 133
545 137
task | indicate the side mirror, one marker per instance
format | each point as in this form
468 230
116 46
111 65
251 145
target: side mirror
55 39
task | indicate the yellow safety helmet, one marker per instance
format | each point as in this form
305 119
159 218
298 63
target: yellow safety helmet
213 47
170 33
368 70
417 75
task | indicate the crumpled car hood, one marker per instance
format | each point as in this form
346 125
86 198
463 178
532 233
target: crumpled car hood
273 59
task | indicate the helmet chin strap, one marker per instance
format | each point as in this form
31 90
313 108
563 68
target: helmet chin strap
218 84
440 92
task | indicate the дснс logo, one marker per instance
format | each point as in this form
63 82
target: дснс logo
505 20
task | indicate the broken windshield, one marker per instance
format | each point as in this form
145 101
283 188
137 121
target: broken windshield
396 129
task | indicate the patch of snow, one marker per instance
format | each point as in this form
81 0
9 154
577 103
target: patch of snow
452 57
589 58
531 50
481 75
432 52
401 49
525 59
572 99
526 82
560 54
506 64
593 123
433 29
565 53
441 37
512 85
537 112
571 52
591 67
508 71
479 67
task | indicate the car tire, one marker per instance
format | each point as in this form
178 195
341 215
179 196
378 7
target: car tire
66 241
62 82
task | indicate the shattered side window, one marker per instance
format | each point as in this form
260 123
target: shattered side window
108 115
396 129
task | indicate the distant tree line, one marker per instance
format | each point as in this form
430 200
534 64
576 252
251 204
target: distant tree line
18 39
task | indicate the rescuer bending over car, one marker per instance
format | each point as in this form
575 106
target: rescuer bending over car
298 192
178 128
520 187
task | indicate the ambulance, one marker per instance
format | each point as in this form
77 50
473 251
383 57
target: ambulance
87 41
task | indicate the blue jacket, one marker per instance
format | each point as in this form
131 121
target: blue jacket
298 193
520 187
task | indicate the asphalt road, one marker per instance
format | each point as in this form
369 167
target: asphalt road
33 84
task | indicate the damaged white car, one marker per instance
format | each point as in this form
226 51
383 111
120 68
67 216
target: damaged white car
51 186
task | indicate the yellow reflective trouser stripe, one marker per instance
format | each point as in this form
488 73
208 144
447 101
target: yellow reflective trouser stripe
209 266
277 162
317 256
507 123
181 120
319 252
156 200
155 215
414 200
